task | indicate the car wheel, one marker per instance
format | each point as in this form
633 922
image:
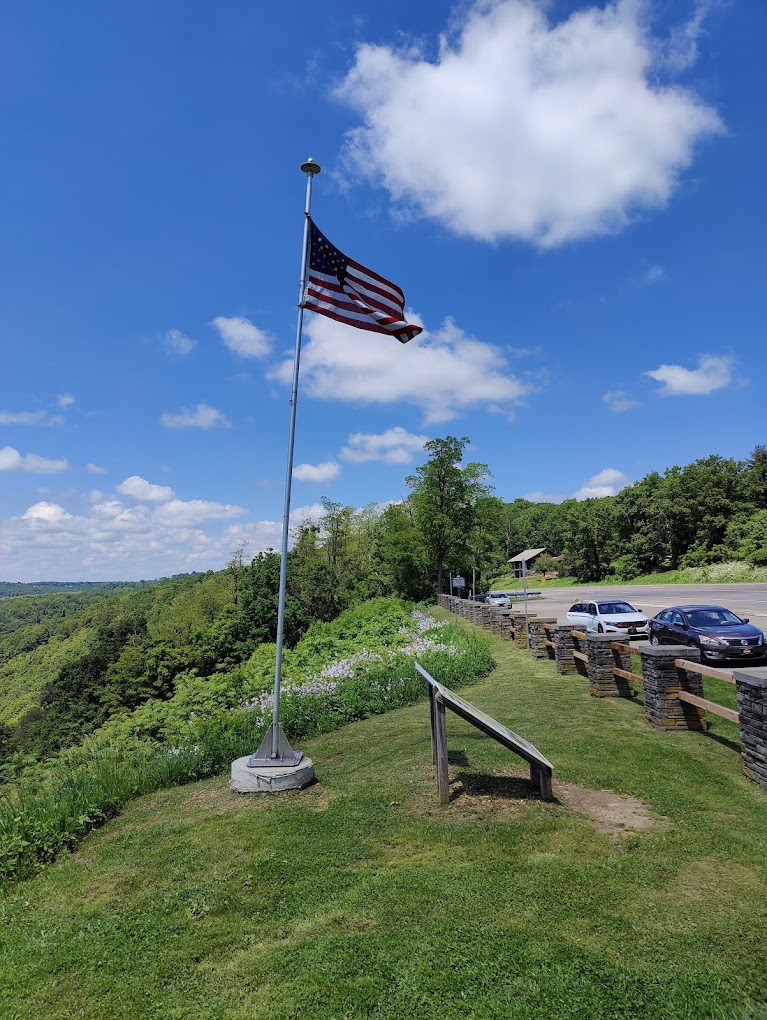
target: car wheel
654 639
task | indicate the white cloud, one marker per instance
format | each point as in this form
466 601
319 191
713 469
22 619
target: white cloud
12 460
65 400
94 469
140 489
45 513
544 497
242 337
523 128
619 401
680 50
179 343
327 471
604 483
443 373
394 446
201 416
714 372
196 511
30 418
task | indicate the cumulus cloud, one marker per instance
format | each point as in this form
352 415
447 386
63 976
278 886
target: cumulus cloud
714 372
196 511
443 372
30 418
524 128
140 489
604 483
242 337
619 401
201 416
179 343
327 471
65 400
94 469
12 460
394 446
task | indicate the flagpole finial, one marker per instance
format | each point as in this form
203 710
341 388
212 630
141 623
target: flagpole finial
311 167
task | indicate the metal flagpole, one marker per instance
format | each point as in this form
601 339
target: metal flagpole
275 749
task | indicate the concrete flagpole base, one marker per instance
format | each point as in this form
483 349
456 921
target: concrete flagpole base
247 779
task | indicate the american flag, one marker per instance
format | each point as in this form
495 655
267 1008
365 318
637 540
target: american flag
344 290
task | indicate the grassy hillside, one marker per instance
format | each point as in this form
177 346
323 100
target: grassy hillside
715 573
361 897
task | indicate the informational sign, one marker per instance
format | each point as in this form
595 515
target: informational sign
459 582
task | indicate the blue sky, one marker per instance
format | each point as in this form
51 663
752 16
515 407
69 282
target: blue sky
572 198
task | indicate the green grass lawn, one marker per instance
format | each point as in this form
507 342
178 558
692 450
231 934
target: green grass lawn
362 897
715 573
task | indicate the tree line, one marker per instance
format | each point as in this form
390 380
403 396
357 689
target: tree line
134 644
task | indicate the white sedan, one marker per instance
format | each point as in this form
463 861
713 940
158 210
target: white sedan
613 616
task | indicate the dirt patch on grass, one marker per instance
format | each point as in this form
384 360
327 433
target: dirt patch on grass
612 813
500 794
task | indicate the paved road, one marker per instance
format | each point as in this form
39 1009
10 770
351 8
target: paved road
744 599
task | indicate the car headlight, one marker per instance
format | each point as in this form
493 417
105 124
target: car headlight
713 642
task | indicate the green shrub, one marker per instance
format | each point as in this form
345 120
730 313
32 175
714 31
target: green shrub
359 665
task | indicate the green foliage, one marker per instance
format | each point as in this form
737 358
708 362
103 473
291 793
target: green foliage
48 806
362 898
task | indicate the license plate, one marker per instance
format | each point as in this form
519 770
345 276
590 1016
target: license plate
746 651
632 630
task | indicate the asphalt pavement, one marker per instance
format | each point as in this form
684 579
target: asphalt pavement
743 599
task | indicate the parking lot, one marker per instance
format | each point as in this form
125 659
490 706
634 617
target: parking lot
743 599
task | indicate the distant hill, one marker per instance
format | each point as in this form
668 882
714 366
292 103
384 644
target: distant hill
13 589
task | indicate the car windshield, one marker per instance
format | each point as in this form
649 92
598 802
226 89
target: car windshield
712 618
615 608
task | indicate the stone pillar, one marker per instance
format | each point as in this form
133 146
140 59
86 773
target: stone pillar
563 652
602 660
662 683
520 628
538 637
751 689
486 616
506 625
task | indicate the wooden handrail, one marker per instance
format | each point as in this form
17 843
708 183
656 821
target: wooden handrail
635 678
550 644
581 634
710 706
619 646
581 655
699 667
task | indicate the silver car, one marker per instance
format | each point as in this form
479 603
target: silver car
609 616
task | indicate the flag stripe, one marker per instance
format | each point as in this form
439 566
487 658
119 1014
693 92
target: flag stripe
376 296
361 324
335 287
349 304
381 279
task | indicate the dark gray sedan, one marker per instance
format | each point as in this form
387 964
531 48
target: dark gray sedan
718 632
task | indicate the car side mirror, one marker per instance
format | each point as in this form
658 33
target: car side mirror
746 619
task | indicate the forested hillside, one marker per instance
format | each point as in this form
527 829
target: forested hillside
68 662
122 689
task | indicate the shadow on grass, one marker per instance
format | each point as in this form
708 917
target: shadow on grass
500 788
